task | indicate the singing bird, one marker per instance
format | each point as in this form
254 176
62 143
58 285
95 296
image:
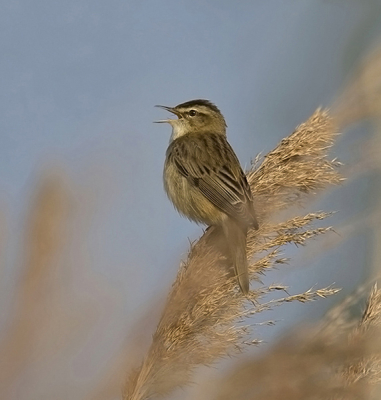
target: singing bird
204 180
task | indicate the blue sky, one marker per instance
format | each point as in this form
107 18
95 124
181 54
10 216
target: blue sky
80 79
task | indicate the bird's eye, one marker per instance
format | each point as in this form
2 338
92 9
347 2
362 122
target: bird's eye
192 113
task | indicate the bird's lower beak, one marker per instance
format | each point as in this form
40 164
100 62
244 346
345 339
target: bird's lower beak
171 110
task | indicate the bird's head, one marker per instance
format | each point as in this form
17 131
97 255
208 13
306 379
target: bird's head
195 116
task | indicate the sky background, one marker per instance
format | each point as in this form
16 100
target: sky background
79 81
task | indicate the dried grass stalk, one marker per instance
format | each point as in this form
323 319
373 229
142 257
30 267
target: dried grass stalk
361 98
45 236
297 167
199 322
315 363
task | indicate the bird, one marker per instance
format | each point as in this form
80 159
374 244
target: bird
204 179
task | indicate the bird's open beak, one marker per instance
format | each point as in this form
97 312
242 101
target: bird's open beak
171 110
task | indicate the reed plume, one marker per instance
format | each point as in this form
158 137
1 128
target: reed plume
331 360
45 237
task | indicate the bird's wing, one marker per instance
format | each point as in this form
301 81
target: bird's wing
210 165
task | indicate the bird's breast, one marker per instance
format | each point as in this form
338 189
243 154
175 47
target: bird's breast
188 200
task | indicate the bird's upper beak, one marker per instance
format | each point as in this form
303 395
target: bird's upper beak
170 109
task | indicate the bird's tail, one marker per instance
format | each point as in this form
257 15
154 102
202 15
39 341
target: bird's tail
236 241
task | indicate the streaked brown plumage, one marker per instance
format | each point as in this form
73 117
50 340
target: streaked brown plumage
204 180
